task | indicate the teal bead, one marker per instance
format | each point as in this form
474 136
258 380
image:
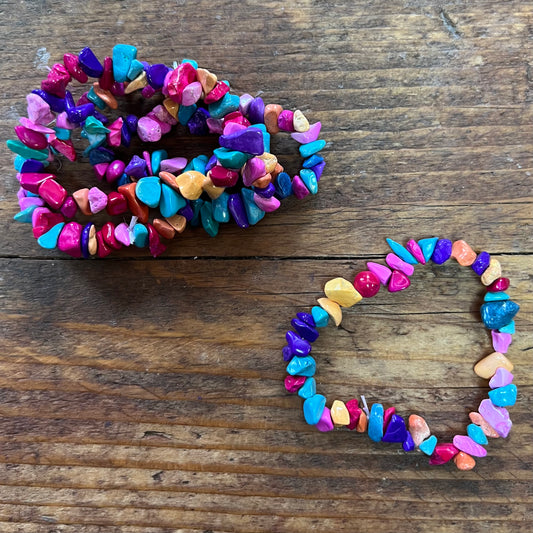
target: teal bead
428 246
401 252
313 408
208 222
266 135
227 104
309 179
25 215
192 62
188 166
510 328
21 149
135 69
253 213
199 163
197 207
93 125
123 55
148 191
220 208
171 201
476 434
320 316
95 99
231 158
496 296
307 150
428 446
155 160
62 134
302 366
95 140
503 396
48 240
375 422
140 235
308 389
185 113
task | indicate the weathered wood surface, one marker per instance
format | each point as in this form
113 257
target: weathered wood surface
145 396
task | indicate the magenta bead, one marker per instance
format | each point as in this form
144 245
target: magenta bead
53 193
70 239
381 271
114 170
414 249
398 281
31 181
366 283
69 207
443 453
298 188
294 383
285 120
399 264
501 284
32 139
325 423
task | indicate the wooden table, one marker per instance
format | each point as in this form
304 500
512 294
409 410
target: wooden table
146 396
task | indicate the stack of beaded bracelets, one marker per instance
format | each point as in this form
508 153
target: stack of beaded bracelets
491 419
241 180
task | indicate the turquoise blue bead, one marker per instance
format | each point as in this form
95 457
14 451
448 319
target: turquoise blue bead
208 222
48 240
313 408
227 104
310 162
148 191
428 246
95 140
185 113
476 434
503 396
95 99
309 179
253 213
188 166
155 160
135 69
231 158
93 125
62 134
25 215
320 316
123 55
192 62
401 252
18 162
308 389
197 208
266 135
220 208
510 328
496 296
496 315
302 366
428 446
171 201
21 149
140 235
199 163
307 150
375 422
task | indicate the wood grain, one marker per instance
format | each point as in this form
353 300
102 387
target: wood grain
145 396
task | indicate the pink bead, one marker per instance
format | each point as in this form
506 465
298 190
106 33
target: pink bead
366 283
191 94
298 188
69 207
163 115
443 453
106 80
27 123
32 139
42 219
21 193
28 201
501 284
53 193
237 117
325 423
173 165
469 446
62 121
308 136
501 341
232 127
387 416
114 170
497 417
253 170
63 147
122 234
57 81
216 93
72 63
148 129
31 181
355 412
398 264
178 79
266 204
147 159
398 281
381 271
100 170
114 137
415 250
294 383
164 126
97 200
38 110
501 377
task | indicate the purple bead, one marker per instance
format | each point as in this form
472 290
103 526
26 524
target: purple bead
31 165
125 135
256 111
266 192
28 201
56 104
298 346
408 444
136 167
481 263
187 212
318 169
131 121
249 140
287 353
69 101
155 74
85 240
306 331
89 63
80 113
198 122
211 163
442 251
236 208
307 318
102 118
396 430
69 207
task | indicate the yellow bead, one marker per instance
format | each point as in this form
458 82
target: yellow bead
212 191
332 308
190 184
138 83
343 292
299 122
340 414
488 365
493 272
172 107
270 162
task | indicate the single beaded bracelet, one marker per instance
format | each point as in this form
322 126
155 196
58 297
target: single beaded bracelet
497 313
242 180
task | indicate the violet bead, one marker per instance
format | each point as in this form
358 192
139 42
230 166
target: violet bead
136 167
396 430
211 163
131 121
481 263
31 166
408 444
85 233
56 104
287 353
266 192
125 135
306 331
187 212
197 124
307 318
318 169
79 114
256 111
298 346
89 63
442 251
155 75
102 118
237 210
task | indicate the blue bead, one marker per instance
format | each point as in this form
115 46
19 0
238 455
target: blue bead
428 446
62 133
312 161
140 235
253 213
311 148
188 166
48 240
227 104
155 160
503 396
496 296
481 263
171 201
496 315
148 191
396 430
197 207
476 434
408 444
309 179
307 318
123 55
375 422
32 165
510 328
442 251
208 222
283 185
401 252
89 63
313 408
25 215
306 331
123 180
302 366
298 346
320 316
185 113
308 389
18 162
220 208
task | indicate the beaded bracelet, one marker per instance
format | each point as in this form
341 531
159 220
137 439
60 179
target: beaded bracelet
241 180
491 419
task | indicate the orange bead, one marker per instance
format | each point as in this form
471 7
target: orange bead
137 208
163 228
106 96
272 112
463 461
463 254
362 423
